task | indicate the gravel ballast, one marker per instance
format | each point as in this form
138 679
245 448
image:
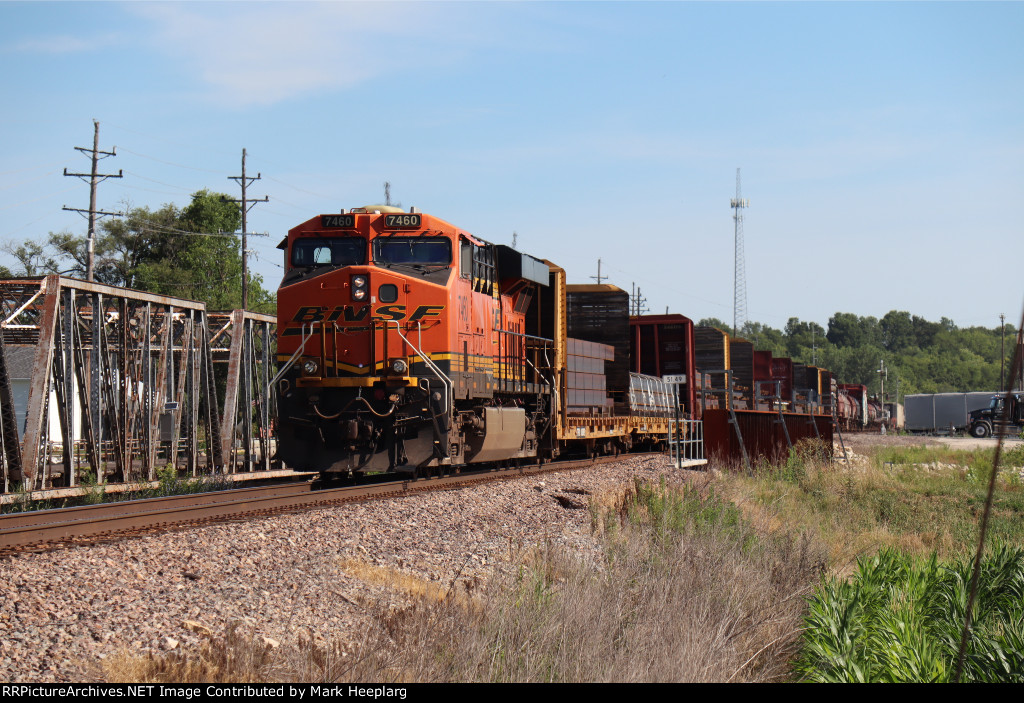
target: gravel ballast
284 577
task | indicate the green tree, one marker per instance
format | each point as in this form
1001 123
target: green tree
897 330
196 254
189 252
764 337
924 331
808 335
122 247
34 259
715 322
199 257
921 356
848 330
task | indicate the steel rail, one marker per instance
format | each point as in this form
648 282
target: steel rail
86 513
45 529
43 526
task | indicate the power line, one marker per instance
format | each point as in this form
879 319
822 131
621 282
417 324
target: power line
301 190
205 150
206 170
170 163
153 180
27 169
29 224
167 229
35 200
26 182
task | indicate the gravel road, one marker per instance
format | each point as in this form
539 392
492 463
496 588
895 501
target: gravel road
873 439
62 612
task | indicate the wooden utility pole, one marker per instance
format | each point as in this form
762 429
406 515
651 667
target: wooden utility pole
1002 350
94 180
247 205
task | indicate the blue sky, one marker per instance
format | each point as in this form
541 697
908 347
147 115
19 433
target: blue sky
881 144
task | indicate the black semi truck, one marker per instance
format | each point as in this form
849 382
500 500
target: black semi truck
985 421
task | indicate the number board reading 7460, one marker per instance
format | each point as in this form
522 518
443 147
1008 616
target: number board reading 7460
403 221
338 221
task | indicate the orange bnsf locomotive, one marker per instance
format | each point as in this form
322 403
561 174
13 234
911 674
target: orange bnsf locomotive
408 344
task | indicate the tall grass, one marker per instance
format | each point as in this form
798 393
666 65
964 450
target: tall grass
682 589
914 499
699 584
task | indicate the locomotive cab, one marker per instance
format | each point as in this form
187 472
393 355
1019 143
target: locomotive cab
405 343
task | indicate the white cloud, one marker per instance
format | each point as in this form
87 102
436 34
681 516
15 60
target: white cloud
64 44
260 54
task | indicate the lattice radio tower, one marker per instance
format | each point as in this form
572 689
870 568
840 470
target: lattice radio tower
739 292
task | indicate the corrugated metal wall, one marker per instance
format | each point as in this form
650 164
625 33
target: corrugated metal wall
763 436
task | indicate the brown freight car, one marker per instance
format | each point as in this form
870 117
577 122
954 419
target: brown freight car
663 345
711 347
741 361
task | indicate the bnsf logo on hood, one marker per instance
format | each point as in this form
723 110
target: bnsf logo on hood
350 313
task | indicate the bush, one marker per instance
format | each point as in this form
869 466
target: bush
900 619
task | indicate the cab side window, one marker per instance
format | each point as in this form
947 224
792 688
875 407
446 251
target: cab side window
465 259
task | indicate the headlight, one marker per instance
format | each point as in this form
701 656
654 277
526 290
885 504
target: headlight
360 286
399 366
310 367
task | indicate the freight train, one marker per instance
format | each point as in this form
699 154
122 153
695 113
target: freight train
406 344
857 410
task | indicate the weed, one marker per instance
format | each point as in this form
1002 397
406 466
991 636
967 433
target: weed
1013 457
899 619
237 656
94 493
22 501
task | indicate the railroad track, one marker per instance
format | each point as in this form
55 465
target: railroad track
45 530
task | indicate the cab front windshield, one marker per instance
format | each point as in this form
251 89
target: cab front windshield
329 251
416 251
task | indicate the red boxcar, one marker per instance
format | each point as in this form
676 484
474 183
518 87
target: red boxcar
782 370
